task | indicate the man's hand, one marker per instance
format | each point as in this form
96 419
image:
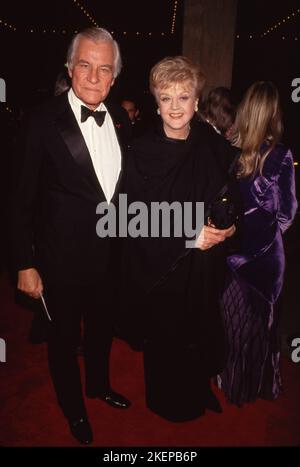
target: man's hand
30 282
210 236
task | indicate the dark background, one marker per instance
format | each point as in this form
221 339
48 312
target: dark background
274 57
31 61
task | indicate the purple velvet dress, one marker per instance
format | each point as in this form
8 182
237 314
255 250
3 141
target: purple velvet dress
255 278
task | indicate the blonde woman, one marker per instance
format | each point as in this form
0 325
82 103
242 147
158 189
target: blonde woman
250 301
174 295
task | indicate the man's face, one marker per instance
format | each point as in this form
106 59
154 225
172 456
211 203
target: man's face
131 109
91 71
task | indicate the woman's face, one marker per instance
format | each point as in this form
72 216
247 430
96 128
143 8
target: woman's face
177 106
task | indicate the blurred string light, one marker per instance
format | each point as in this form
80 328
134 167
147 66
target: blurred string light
6 108
284 38
7 25
53 31
174 16
280 23
150 34
143 34
238 36
86 13
124 33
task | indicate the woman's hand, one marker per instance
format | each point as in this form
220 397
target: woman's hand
230 231
210 236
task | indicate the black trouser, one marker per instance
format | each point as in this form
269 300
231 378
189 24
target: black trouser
68 307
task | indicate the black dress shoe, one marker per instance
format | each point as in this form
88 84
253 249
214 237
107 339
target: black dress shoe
112 398
81 430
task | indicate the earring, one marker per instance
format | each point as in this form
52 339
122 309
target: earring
196 106
158 112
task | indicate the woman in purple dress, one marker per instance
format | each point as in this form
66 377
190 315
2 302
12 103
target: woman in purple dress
250 301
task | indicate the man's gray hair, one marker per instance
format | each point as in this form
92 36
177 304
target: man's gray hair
95 35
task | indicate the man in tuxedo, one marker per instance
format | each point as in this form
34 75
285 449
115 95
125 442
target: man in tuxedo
69 160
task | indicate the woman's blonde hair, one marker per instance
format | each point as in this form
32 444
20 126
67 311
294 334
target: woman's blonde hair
173 70
258 120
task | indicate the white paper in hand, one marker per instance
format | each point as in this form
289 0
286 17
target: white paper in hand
45 307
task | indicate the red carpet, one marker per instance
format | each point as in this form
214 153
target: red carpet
29 415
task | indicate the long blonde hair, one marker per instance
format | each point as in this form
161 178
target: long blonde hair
258 120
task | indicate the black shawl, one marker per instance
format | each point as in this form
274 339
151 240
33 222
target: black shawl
167 290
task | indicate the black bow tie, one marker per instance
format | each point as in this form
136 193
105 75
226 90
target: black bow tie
99 115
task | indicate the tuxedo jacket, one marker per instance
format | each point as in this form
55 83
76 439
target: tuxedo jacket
56 192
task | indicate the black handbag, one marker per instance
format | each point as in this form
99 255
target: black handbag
222 212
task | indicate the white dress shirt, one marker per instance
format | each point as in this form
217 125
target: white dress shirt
102 144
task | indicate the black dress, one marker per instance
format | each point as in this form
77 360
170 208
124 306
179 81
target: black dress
170 294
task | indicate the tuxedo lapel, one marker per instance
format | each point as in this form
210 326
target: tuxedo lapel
73 138
69 129
121 125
